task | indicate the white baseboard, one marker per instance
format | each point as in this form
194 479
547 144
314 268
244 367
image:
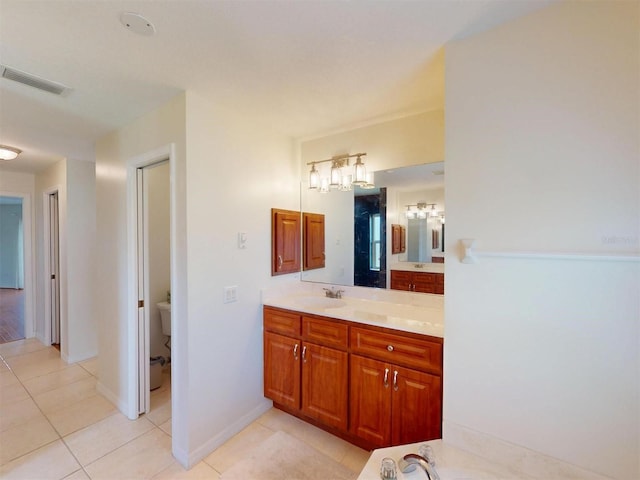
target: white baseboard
534 464
113 398
210 445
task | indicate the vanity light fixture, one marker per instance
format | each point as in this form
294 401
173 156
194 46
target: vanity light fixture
338 179
420 210
9 153
433 212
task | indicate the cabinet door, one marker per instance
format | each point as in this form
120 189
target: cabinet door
324 384
370 400
282 369
424 282
313 235
285 241
416 412
401 280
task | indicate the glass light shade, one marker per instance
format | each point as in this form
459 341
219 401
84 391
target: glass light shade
369 183
345 183
433 212
359 173
324 185
335 177
314 178
442 219
9 153
422 214
410 213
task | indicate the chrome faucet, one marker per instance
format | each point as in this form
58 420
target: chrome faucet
410 460
332 293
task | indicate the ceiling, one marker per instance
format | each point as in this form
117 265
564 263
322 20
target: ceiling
304 67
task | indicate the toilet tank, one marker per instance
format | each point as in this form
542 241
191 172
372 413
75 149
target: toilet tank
165 317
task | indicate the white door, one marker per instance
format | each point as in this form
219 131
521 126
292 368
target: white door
54 268
144 399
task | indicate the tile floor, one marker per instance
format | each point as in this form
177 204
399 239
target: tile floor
54 425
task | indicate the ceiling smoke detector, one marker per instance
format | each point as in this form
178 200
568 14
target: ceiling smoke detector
137 24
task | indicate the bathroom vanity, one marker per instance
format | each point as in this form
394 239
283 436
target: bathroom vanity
369 375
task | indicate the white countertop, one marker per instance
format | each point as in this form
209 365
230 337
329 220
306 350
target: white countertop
418 267
451 463
426 317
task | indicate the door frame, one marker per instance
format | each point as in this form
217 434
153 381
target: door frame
29 256
46 267
133 348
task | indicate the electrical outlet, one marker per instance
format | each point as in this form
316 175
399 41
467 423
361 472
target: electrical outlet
230 294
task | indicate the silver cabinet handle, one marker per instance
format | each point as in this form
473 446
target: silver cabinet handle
390 348
395 380
295 352
304 354
279 261
386 378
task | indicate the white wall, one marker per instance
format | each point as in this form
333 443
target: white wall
23 185
542 155
158 216
82 338
114 153
237 171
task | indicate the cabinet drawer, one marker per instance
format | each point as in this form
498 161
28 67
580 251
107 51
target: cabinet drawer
325 332
409 351
280 321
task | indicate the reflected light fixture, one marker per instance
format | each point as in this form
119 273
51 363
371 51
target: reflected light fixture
433 212
369 183
9 153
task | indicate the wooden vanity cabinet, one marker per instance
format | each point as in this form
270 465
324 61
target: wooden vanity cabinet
396 387
285 241
423 282
308 370
373 386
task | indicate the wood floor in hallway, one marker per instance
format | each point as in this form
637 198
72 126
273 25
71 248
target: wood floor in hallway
11 315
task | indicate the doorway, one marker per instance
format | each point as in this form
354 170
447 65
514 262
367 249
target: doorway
52 245
12 270
370 227
150 188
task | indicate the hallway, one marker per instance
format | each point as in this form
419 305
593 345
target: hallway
11 314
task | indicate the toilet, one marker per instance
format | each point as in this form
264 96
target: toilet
165 317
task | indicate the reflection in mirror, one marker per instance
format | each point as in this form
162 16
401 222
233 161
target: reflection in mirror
395 190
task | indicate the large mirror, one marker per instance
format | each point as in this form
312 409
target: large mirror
359 242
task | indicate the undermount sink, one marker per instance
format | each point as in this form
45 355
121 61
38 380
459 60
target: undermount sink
320 302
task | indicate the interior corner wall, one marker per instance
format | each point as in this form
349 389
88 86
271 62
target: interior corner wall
82 338
237 171
157 129
542 154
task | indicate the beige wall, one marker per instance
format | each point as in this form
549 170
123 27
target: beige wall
542 155
410 140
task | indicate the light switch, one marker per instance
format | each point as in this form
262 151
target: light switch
242 240
230 294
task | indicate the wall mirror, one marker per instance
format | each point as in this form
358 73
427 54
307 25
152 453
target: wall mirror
358 224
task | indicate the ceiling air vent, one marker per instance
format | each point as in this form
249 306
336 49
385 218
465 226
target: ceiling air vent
33 81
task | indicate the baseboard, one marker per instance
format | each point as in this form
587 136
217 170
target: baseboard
534 464
113 398
210 445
